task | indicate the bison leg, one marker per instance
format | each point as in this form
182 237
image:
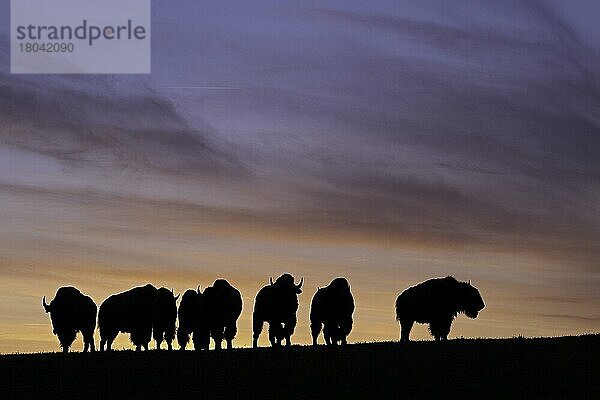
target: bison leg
257 326
198 345
92 345
230 332
205 343
140 338
106 340
88 345
405 328
290 326
329 334
273 334
169 336
183 337
110 341
335 334
315 330
345 329
201 339
88 340
217 335
158 338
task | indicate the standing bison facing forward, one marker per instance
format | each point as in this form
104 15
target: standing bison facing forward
436 302
276 304
71 311
224 306
331 309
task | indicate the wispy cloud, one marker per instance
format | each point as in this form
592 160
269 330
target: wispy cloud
449 129
471 129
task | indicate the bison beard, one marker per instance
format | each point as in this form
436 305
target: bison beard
331 310
277 305
436 302
70 312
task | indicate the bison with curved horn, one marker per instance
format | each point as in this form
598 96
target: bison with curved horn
331 309
277 305
436 302
70 312
127 312
224 306
164 315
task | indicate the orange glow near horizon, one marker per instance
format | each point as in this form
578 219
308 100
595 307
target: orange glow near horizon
382 143
517 299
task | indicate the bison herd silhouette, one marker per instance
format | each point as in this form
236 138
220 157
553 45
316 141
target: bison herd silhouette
148 313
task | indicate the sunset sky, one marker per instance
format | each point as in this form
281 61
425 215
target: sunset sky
388 142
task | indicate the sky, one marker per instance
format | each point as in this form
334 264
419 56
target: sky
387 142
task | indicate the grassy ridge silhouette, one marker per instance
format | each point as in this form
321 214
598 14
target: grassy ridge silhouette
564 367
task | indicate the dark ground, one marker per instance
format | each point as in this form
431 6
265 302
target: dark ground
567 367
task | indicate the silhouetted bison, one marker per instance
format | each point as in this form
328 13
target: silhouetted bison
276 304
224 306
332 308
71 311
164 314
193 320
128 312
436 302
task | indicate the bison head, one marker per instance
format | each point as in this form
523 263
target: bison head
471 300
340 285
62 324
166 295
286 282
